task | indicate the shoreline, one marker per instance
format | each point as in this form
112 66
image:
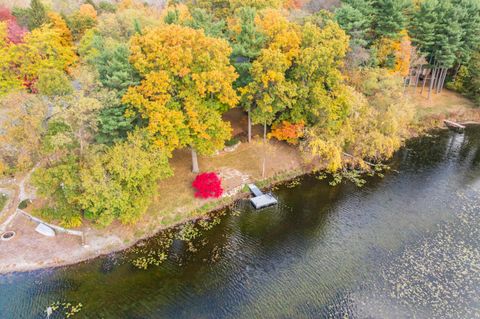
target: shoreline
87 254
105 247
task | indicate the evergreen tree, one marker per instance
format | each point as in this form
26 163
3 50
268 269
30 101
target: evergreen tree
389 17
423 26
201 19
355 23
469 18
246 45
115 71
113 126
37 15
448 33
116 74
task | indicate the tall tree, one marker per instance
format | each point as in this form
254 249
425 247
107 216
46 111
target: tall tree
37 14
247 42
115 71
187 84
389 17
120 183
9 75
201 19
43 48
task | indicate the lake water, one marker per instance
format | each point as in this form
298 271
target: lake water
403 246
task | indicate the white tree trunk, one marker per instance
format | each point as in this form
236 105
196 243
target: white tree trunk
432 81
195 168
425 81
443 79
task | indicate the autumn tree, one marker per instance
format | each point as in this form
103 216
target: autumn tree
42 49
467 81
15 32
22 128
186 85
59 184
9 75
120 183
59 25
269 91
82 20
79 112
53 82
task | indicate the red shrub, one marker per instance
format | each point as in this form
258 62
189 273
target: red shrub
207 185
6 14
15 32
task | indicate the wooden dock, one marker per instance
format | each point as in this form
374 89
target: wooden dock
261 200
454 126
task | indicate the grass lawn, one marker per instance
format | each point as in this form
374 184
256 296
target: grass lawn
445 105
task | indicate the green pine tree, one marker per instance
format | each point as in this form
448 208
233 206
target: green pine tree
201 19
389 17
37 14
115 71
246 45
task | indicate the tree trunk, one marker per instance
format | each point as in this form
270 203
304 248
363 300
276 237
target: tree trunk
432 81
249 127
425 81
264 148
443 79
440 80
418 77
195 168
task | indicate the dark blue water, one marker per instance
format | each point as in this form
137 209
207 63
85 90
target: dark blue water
404 246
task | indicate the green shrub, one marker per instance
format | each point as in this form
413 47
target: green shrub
24 204
232 141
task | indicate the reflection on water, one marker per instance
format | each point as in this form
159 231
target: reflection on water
406 246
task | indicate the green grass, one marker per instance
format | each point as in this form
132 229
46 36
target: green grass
3 200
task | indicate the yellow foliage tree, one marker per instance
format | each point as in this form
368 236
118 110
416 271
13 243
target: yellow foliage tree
9 77
43 49
281 34
187 84
270 92
59 25
257 4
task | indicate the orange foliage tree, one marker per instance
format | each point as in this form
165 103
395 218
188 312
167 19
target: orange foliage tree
286 131
395 54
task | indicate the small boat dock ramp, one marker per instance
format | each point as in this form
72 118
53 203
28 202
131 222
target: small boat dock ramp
259 199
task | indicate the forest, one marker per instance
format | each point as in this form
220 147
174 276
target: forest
97 98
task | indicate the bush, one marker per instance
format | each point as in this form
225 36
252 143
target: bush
24 204
53 82
232 141
207 185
